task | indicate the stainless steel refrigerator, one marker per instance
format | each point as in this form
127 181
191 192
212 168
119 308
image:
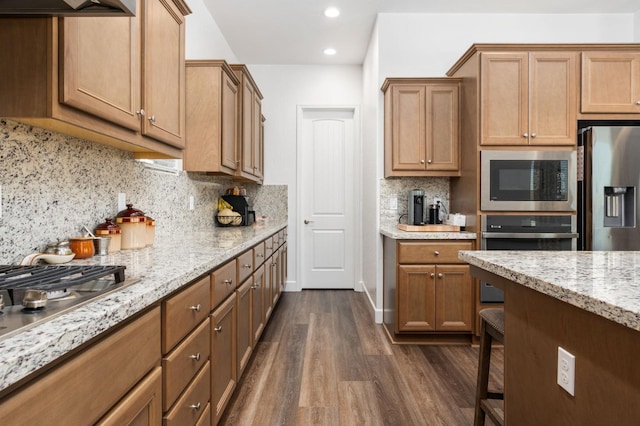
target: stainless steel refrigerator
608 182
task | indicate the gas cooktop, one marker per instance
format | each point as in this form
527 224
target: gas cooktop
30 295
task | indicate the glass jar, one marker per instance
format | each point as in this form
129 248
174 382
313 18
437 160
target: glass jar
132 222
110 229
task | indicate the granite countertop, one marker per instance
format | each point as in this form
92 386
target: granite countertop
161 269
604 283
397 234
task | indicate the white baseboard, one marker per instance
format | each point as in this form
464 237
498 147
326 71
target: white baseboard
377 313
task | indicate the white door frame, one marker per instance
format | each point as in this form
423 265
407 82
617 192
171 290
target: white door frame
357 190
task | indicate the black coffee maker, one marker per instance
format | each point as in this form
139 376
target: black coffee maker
240 204
415 208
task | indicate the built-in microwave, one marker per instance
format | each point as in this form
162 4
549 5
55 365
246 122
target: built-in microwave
528 181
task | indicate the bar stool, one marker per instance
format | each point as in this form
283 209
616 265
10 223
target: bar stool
492 329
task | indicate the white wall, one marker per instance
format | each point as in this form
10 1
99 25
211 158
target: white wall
204 39
636 26
284 87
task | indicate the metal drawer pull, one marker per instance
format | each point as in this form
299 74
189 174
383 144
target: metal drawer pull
218 329
152 119
195 308
433 275
259 255
228 282
140 112
439 275
246 266
195 357
255 286
437 253
195 406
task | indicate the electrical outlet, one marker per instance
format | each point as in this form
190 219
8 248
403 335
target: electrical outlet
122 201
191 203
566 370
393 203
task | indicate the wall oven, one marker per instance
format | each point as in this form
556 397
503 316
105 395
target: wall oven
536 232
528 181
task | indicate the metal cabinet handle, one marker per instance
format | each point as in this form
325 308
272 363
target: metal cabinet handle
433 275
140 112
306 222
525 135
228 282
195 406
437 253
152 119
195 308
195 357
439 275
246 266
259 255
637 102
421 161
255 286
218 329
533 135
429 161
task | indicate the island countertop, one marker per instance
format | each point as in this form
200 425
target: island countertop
397 234
603 283
159 270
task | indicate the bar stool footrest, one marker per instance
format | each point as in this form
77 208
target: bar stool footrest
492 413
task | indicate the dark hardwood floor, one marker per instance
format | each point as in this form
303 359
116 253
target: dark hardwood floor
322 360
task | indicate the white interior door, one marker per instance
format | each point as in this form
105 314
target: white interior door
326 143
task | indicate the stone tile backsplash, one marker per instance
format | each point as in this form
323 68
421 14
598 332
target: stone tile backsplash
53 184
400 187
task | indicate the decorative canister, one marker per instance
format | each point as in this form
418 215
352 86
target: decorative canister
110 229
82 247
132 222
151 231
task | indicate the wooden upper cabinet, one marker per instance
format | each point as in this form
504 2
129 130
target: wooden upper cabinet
112 80
212 118
528 98
610 82
422 136
164 72
249 127
101 66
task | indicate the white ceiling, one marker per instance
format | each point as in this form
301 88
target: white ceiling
297 32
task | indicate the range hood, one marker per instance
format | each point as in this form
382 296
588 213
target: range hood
68 7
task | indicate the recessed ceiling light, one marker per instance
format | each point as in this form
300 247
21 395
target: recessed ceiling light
330 51
331 12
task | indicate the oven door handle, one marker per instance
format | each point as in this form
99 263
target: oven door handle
532 235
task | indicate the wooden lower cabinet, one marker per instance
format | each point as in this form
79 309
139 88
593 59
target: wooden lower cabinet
428 293
223 356
142 406
257 313
193 402
83 389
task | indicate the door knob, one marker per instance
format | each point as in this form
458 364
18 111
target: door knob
306 222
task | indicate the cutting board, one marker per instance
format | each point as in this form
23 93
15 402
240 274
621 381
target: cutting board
428 228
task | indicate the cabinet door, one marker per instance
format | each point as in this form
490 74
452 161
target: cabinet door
257 313
256 149
504 98
610 82
141 406
442 127
454 298
267 301
229 156
553 98
415 298
275 277
408 116
248 105
223 355
164 73
100 69
245 333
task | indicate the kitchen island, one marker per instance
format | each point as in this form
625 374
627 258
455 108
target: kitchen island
588 303
160 270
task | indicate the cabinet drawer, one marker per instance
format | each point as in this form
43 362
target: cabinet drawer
245 266
183 312
258 255
78 391
223 281
190 406
183 363
268 247
440 252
